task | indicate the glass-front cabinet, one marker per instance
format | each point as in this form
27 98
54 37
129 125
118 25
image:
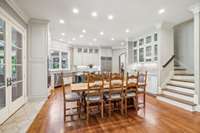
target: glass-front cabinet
58 60
12 66
143 49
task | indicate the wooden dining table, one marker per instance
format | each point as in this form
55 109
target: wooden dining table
82 87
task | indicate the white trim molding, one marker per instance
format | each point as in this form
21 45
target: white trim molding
18 10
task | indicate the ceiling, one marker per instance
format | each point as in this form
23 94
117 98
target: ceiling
136 15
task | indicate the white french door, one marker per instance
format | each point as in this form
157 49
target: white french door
12 67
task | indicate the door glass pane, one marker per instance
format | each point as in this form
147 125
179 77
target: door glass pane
16 73
64 57
17 80
141 55
2 65
16 90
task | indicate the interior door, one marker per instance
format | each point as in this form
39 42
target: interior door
17 71
3 71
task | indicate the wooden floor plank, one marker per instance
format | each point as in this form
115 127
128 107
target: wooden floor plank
159 118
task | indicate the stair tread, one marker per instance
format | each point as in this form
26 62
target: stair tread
178 92
178 100
182 86
183 80
184 74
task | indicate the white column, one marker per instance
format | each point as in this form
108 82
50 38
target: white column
196 11
37 59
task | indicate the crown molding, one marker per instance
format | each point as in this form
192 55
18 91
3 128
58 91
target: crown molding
195 8
18 10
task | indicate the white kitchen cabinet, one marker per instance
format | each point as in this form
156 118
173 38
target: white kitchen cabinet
86 56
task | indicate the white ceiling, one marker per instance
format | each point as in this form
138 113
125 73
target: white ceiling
137 15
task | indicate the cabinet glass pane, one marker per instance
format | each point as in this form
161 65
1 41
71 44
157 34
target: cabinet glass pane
64 56
156 52
148 51
141 42
135 44
135 53
155 37
54 60
141 55
17 90
148 39
2 64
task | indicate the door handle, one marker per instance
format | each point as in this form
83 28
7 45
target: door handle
9 82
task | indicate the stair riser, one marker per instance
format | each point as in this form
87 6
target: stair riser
181 72
180 89
175 103
186 84
184 77
191 99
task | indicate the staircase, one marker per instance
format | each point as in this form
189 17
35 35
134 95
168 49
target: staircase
179 90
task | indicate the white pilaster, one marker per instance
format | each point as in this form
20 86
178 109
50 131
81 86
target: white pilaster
196 11
37 58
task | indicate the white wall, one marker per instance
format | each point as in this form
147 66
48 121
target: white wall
115 58
184 44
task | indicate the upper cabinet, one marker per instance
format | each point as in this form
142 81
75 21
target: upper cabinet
86 56
143 49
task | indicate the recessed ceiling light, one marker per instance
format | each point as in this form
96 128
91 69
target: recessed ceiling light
101 33
61 21
127 30
63 34
94 14
73 39
61 39
75 11
110 17
84 31
122 43
81 36
112 39
161 11
95 39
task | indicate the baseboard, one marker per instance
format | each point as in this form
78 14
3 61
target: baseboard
197 108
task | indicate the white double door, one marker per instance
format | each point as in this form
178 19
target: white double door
12 67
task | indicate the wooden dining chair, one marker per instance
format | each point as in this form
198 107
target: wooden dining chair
130 90
72 102
94 94
115 91
141 89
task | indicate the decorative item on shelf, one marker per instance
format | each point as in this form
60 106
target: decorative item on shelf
90 65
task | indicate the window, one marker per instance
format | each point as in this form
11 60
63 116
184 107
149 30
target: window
135 55
148 39
64 60
141 41
141 55
148 51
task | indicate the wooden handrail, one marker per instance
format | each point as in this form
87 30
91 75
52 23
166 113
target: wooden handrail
173 56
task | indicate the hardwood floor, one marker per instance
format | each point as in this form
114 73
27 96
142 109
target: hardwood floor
159 118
